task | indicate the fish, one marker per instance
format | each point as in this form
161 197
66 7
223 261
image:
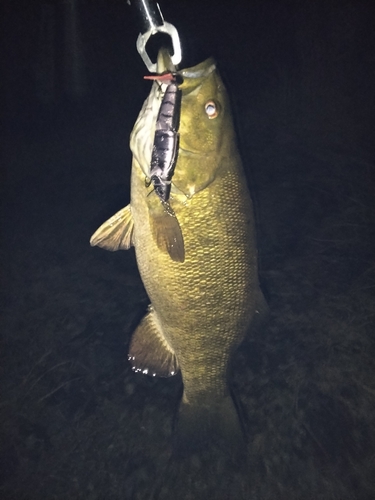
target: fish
196 253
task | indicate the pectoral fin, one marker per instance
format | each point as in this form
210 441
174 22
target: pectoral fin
149 351
116 233
166 229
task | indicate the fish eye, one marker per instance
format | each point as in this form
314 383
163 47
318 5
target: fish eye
211 109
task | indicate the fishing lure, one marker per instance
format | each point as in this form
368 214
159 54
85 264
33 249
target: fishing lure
166 139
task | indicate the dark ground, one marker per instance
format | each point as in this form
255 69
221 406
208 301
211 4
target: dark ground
76 422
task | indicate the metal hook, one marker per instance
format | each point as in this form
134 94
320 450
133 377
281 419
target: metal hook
152 22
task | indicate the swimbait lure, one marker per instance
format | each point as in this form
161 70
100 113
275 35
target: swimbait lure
166 141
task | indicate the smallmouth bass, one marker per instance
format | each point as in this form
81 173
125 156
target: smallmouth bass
196 254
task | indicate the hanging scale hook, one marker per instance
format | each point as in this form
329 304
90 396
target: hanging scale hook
152 22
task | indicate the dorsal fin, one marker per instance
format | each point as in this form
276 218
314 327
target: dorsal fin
116 233
149 351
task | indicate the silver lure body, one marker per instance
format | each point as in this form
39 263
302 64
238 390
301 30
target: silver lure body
166 142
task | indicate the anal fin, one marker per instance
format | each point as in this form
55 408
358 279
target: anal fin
149 351
116 233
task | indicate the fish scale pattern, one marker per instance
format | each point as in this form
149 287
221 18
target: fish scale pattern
206 303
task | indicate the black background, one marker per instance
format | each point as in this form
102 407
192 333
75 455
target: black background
76 422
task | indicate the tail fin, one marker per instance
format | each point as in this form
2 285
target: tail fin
209 424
